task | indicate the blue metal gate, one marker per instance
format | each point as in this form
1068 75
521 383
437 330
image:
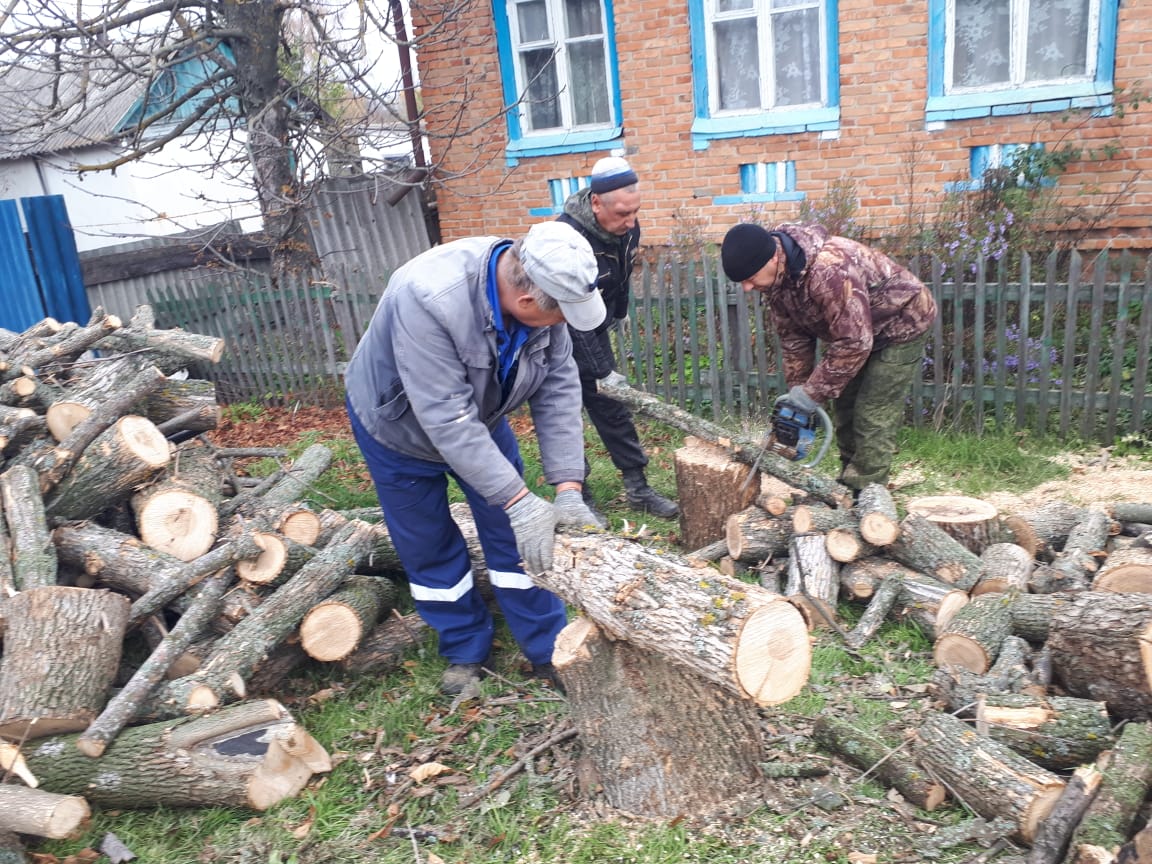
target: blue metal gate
40 274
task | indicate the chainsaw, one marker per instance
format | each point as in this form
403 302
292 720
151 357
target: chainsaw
792 435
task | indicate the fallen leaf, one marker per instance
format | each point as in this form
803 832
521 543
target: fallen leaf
429 769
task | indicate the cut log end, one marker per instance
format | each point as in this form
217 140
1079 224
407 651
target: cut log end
330 632
177 522
302 526
144 440
265 567
1039 809
773 655
64 416
955 650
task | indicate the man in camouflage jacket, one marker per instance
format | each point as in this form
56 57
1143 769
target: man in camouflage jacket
872 316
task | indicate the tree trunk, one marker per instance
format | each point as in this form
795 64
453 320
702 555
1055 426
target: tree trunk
61 652
113 466
710 485
972 639
42 814
177 513
663 741
1127 777
333 629
247 755
974 523
33 556
732 633
1055 732
1101 650
890 765
994 781
753 535
926 547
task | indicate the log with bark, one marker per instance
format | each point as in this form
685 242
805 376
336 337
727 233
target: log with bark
253 755
177 512
1055 732
1126 570
662 741
1005 567
744 448
813 577
754 535
1052 839
710 485
41 813
974 523
32 553
1080 558
973 637
734 634
926 547
879 522
334 628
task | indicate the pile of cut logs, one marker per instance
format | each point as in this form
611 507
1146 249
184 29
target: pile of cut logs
113 531
1041 621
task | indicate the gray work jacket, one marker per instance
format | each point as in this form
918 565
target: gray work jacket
423 380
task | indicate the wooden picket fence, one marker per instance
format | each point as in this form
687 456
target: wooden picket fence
1062 349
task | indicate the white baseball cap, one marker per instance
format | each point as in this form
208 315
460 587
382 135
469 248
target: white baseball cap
560 262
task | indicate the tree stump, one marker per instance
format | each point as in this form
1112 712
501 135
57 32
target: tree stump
710 485
56 635
1126 570
993 780
663 741
733 634
248 755
1101 650
974 523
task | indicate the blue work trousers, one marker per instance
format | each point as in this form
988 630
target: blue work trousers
413 497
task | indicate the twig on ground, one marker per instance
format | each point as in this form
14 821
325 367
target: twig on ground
518 766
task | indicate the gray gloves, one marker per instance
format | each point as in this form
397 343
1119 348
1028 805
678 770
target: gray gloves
534 524
799 397
573 512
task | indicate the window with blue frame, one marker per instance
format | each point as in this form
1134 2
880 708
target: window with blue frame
559 71
1002 57
764 181
186 89
764 67
559 189
992 157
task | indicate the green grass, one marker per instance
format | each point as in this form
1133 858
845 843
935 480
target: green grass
379 727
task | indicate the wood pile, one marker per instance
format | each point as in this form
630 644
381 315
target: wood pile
120 524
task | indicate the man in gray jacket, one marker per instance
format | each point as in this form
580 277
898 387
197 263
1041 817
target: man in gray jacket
465 334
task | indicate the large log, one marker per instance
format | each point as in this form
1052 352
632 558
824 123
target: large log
889 765
1005 567
1123 788
43 814
754 535
1052 839
972 639
176 513
1055 732
745 449
990 778
1079 559
188 403
732 633
926 547
974 523
1101 650
62 647
1126 570
115 465
248 755
662 740
710 485
332 629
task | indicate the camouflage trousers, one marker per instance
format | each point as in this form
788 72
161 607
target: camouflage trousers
869 413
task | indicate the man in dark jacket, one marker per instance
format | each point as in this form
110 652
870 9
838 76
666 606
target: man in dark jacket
605 213
872 316
464 335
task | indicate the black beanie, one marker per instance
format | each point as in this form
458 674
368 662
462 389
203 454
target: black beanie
745 250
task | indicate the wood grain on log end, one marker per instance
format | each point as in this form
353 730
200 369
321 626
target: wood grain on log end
266 566
773 655
177 522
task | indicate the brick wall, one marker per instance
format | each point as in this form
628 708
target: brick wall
882 135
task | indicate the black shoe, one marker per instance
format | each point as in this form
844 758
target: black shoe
648 500
547 672
458 676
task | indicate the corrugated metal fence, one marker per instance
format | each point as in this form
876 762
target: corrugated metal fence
1065 353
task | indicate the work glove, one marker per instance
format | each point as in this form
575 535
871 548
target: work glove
612 379
799 397
573 512
534 524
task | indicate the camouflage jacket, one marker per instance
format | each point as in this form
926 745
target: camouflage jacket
854 299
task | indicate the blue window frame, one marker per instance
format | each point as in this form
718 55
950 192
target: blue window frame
764 67
559 189
1004 57
560 76
763 182
986 158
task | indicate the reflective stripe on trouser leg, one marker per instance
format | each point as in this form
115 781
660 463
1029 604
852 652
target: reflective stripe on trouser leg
534 616
413 497
878 411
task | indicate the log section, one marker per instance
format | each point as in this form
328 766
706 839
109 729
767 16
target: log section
973 522
43 814
710 485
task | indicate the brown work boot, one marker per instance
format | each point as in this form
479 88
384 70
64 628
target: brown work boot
458 676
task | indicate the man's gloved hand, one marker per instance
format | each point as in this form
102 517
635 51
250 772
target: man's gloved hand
534 524
613 379
799 397
573 512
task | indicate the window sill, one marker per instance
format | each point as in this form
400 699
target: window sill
563 142
1029 100
707 129
758 198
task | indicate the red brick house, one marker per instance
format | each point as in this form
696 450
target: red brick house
726 105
